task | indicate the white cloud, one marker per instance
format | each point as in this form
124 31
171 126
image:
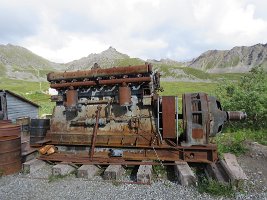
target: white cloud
68 30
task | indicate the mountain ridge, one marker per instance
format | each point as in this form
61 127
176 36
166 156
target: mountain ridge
20 63
238 59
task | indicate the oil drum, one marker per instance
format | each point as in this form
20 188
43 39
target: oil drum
38 130
10 155
9 129
24 122
4 122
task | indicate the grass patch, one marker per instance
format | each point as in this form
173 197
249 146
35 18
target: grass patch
234 142
178 88
215 188
53 178
129 61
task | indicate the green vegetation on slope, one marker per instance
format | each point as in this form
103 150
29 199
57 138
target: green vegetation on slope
129 61
31 91
178 88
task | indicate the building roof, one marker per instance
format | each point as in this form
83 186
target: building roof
20 97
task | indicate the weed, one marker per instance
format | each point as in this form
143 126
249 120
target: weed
215 188
116 183
232 143
159 170
1 172
53 178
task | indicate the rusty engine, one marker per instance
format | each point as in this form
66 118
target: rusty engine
116 115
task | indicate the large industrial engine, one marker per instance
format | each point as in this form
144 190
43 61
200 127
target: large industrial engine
117 114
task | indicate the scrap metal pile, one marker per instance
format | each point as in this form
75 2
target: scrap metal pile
116 115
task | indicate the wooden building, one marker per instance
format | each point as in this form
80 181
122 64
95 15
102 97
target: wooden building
13 106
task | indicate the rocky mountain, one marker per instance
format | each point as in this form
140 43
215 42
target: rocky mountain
168 68
237 60
108 58
20 63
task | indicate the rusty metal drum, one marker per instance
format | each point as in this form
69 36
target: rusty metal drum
24 122
38 130
5 122
10 155
9 130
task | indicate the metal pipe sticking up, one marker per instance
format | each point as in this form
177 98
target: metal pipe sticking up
95 132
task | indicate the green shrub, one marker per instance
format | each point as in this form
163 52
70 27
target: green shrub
250 95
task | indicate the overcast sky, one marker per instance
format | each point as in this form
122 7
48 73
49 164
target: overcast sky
64 30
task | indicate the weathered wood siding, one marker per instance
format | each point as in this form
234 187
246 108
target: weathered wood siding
19 108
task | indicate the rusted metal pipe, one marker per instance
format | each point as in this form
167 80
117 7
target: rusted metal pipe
138 69
100 82
236 115
95 131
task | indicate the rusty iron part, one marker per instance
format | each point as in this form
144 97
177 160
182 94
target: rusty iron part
112 139
139 69
133 116
195 118
124 96
236 115
72 98
10 154
196 154
95 132
10 130
203 117
100 82
169 121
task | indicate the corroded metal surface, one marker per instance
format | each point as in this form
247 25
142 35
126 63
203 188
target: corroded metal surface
38 130
132 115
168 117
124 96
9 130
95 132
196 154
10 154
58 76
5 122
100 82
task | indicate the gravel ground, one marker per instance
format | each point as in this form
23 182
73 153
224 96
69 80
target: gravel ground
17 187
39 186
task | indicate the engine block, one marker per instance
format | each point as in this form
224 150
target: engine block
120 110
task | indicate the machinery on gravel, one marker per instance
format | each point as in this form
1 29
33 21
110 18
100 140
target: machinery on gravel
116 115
